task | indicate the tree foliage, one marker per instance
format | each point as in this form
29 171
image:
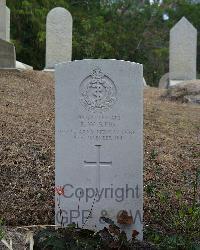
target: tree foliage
123 29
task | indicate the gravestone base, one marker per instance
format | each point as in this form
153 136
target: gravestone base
10 69
49 70
175 82
164 81
23 66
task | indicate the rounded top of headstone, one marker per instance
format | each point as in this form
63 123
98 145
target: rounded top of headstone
59 11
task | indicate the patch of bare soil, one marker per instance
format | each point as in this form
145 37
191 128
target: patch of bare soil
26 147
171 153
171 148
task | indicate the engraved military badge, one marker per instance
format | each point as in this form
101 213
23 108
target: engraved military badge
97 92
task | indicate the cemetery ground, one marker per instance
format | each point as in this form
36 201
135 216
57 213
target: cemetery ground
171 162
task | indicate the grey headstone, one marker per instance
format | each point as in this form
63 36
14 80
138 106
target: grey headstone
144 82
58 37
164 81
183 51
99 142
7 55
4 21
7 24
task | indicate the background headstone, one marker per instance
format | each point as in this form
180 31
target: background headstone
185 92
164 81
58 37
99 134
4 21
183 51
7 55
144 82
7 24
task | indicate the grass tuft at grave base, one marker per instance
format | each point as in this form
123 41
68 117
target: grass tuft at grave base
171 160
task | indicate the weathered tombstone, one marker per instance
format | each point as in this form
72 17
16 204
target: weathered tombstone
4 21
58 37
7 24
144 82
164 81
183 51
99 144
7 55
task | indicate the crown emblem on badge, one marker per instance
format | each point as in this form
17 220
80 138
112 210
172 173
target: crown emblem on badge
98 92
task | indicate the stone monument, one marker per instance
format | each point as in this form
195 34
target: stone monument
58 37
99 144
183 52
4 21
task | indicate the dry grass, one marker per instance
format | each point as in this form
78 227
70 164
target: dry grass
26 147
172 152
171 141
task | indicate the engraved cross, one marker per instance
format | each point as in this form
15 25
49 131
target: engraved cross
98 163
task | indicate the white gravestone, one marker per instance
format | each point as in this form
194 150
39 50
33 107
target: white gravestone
4 21
164 81
58 37
183 52
99 143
